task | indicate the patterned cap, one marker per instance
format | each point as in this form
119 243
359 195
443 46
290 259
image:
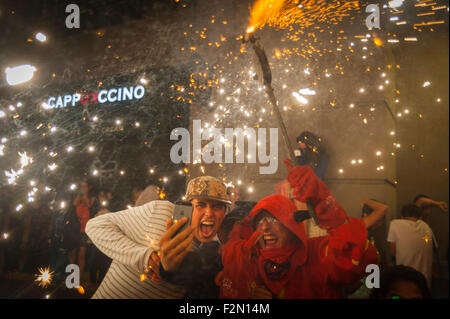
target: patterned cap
207 187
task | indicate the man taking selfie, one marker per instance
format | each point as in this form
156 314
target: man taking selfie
144 239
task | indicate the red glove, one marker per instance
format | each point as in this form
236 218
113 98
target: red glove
308 188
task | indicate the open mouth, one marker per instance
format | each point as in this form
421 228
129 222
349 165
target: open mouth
270 241
207 229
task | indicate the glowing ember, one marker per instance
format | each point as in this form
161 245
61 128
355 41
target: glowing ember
44 277
284 13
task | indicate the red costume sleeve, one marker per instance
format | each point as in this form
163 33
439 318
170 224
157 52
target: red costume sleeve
343 255
240 271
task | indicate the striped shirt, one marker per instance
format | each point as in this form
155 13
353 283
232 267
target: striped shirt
129 237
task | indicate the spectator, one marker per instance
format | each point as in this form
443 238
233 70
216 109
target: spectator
135 193
202 268
373 215
36 235
411 241
426 203
59 251
269 256
149 194
141 241
234 194
84 205
401 282
98 261
311 153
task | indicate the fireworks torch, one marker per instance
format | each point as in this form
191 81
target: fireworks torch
267 80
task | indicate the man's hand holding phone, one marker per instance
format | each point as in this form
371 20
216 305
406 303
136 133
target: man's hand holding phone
174 247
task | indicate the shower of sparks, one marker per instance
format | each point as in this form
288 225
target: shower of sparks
312 34
301 13
44 277
25 160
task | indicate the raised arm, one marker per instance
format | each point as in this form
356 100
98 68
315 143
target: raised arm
379 210
344 254
424 202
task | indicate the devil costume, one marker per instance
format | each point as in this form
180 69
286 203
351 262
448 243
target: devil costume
308 268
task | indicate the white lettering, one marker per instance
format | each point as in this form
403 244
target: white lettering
272 158
102 99
76 98
212 152
213 146
197 141
373 20
112 95
141 91
50 104
183 145
73 19
229 142
67 99
59 102
110 98
128 93
73 280
373 280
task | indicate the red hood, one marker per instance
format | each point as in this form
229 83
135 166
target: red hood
282 208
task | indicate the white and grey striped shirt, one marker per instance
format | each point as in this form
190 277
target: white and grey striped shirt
129 237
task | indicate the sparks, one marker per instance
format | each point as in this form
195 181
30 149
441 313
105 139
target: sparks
25 160
44 277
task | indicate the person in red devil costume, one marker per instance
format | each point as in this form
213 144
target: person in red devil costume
269 251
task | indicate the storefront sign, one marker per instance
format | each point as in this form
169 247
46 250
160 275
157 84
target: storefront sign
103 96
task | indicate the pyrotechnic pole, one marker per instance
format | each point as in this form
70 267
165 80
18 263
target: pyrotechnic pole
267 77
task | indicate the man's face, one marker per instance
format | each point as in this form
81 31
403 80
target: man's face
274 233
207 216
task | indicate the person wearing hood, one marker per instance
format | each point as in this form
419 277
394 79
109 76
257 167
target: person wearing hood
269 255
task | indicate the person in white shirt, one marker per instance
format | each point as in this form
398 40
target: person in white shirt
411 241
141 238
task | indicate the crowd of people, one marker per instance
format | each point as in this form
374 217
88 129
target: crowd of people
241 249
52 233
296 243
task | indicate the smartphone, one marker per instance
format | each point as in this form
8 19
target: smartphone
181 210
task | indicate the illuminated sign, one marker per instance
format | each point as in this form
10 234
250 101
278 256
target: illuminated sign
103 96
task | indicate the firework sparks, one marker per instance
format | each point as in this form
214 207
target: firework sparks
284 13
44 277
